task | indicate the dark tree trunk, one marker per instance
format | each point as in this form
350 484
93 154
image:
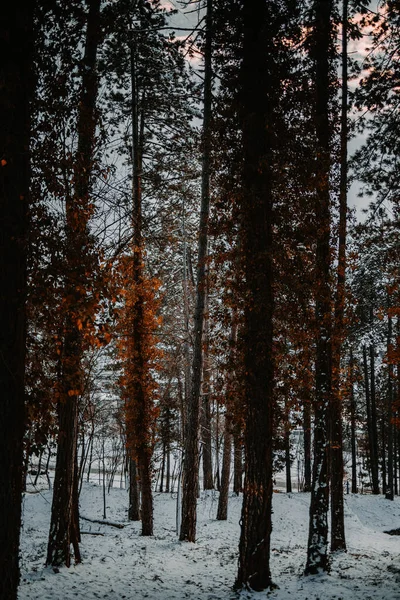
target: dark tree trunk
288 460
146 494
64 528
389 491
191 443
168 484
64 525
307 445
354 489
162 472
395 462
16 44
368 409
237 460
338 540
208 483
317 550
139 402
217 447
259 83
222 512
374 425
134 495
383 438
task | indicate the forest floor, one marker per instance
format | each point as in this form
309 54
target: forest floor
121 564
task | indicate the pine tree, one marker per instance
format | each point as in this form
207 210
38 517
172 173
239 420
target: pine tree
191 449
317 550
259 22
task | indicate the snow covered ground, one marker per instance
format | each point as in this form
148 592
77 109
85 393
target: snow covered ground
121 564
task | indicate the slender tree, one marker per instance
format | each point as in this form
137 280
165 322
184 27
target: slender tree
338 541
191 444
317 550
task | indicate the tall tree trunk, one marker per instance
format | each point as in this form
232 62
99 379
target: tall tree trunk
222 512
258 81
368 409
134 494
307 445
354 489
139 440
186 314
237 459
208 483
16 35
168 484
389 491
395 461
288 460
64 525
383 441
338 540
374 424
317 550
191 443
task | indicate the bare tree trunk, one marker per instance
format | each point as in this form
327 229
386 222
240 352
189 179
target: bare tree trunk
368 409
338 540
307 445
222 512
354 489
16 86
317 550
161 488
208 483
64 525
191 444
134 495
258 104
389 491
168 484
374 425
288 461
237 460
139 403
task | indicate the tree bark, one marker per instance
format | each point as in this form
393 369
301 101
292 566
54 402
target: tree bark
317 550
389 491
354 488
139 440
222 511
374 425
64 524
237 460
191 443
208 483
134 495
338 540
16 86
258 81
307 445
288 461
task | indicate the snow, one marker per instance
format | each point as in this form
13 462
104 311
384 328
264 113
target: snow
122 564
